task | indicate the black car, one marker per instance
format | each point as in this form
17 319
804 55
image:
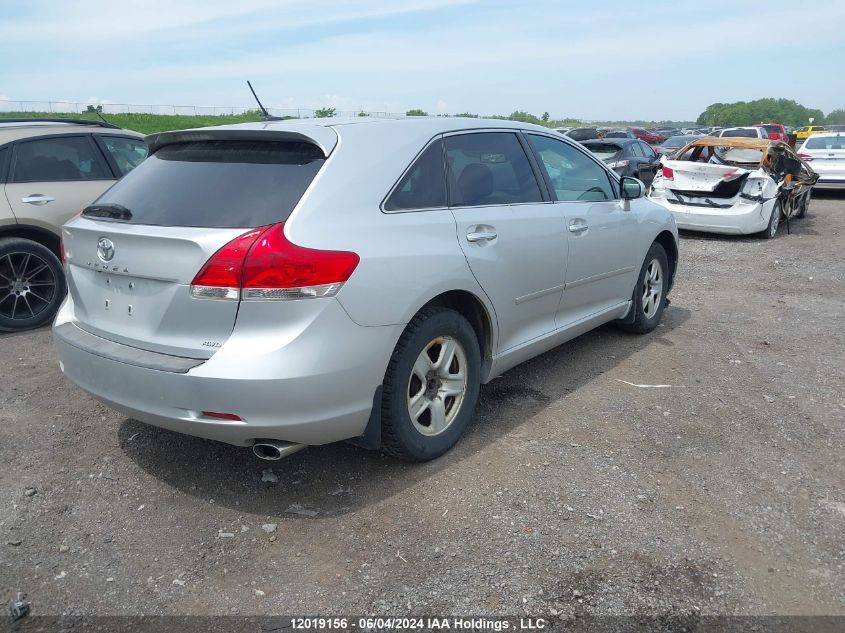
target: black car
582 133
627 157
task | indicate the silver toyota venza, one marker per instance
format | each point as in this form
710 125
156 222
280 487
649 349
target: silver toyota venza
293 283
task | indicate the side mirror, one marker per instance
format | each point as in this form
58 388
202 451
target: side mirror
631 188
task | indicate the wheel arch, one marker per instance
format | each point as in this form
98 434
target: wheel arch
667 241
42 236
473 310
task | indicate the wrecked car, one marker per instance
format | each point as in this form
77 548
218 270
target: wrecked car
733 185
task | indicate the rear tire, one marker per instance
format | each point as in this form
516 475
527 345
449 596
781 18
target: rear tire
771 230
649 299
32 284
431 386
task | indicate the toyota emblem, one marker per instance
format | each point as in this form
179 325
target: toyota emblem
105 249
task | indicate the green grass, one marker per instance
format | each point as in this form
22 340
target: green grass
147 123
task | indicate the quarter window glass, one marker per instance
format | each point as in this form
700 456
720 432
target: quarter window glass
424 186
66 158
126 152
573 175
489 168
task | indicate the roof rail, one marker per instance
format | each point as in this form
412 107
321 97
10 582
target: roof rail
61 120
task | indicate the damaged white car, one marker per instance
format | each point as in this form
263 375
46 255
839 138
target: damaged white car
733 185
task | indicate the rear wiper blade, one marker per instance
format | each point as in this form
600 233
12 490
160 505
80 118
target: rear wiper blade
108 211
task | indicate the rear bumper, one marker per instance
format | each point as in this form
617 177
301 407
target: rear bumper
740 219
314 388
830 183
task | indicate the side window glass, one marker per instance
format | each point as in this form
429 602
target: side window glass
52 159
647 151
126 152
424 185
573 175
489 168
636 150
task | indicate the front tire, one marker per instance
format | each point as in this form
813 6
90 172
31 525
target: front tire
431 386
32 284
649 298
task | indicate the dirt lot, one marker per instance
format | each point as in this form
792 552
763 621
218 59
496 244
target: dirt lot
574 492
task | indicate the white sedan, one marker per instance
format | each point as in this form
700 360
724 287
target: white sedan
826 153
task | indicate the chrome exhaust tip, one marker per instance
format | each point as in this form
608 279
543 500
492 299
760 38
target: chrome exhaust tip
273 450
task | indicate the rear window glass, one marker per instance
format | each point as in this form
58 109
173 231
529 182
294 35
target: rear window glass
741 133
218 184
825 142
771 128
604 150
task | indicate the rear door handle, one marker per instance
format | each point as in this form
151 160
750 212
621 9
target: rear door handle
482 236
578 227
37 199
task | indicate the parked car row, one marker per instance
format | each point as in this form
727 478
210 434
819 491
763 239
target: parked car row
229 285
202 278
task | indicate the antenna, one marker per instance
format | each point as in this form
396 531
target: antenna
267 115
100 115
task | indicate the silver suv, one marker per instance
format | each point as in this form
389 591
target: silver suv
285 284
50 169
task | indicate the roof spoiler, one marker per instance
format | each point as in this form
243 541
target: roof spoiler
323 137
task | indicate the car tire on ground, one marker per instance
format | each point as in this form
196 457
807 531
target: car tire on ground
431 385
649 299
774 223
805 204
32 284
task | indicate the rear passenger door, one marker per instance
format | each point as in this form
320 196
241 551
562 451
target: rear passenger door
50 179
513 239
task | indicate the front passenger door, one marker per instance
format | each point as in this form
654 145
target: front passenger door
599 270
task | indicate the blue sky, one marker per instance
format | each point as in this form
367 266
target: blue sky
592 60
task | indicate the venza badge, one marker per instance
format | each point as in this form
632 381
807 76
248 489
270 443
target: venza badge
105 249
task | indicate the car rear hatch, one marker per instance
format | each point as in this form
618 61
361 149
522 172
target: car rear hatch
826 155
132 256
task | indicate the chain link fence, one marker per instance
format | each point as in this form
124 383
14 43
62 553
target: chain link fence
73 107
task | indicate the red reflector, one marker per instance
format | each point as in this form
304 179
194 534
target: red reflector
275 262
222 416
668 173
806 156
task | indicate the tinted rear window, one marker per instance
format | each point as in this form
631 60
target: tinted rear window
604 150
740 133
825 142
218 184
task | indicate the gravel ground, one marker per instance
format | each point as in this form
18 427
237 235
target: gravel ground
574 493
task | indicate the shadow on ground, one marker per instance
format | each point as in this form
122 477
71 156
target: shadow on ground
334 479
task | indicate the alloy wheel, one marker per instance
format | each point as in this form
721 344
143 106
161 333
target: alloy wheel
437 385
652 288
27 285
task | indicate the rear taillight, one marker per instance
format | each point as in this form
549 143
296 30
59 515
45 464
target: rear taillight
264 265
668 173
806 157
220 277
